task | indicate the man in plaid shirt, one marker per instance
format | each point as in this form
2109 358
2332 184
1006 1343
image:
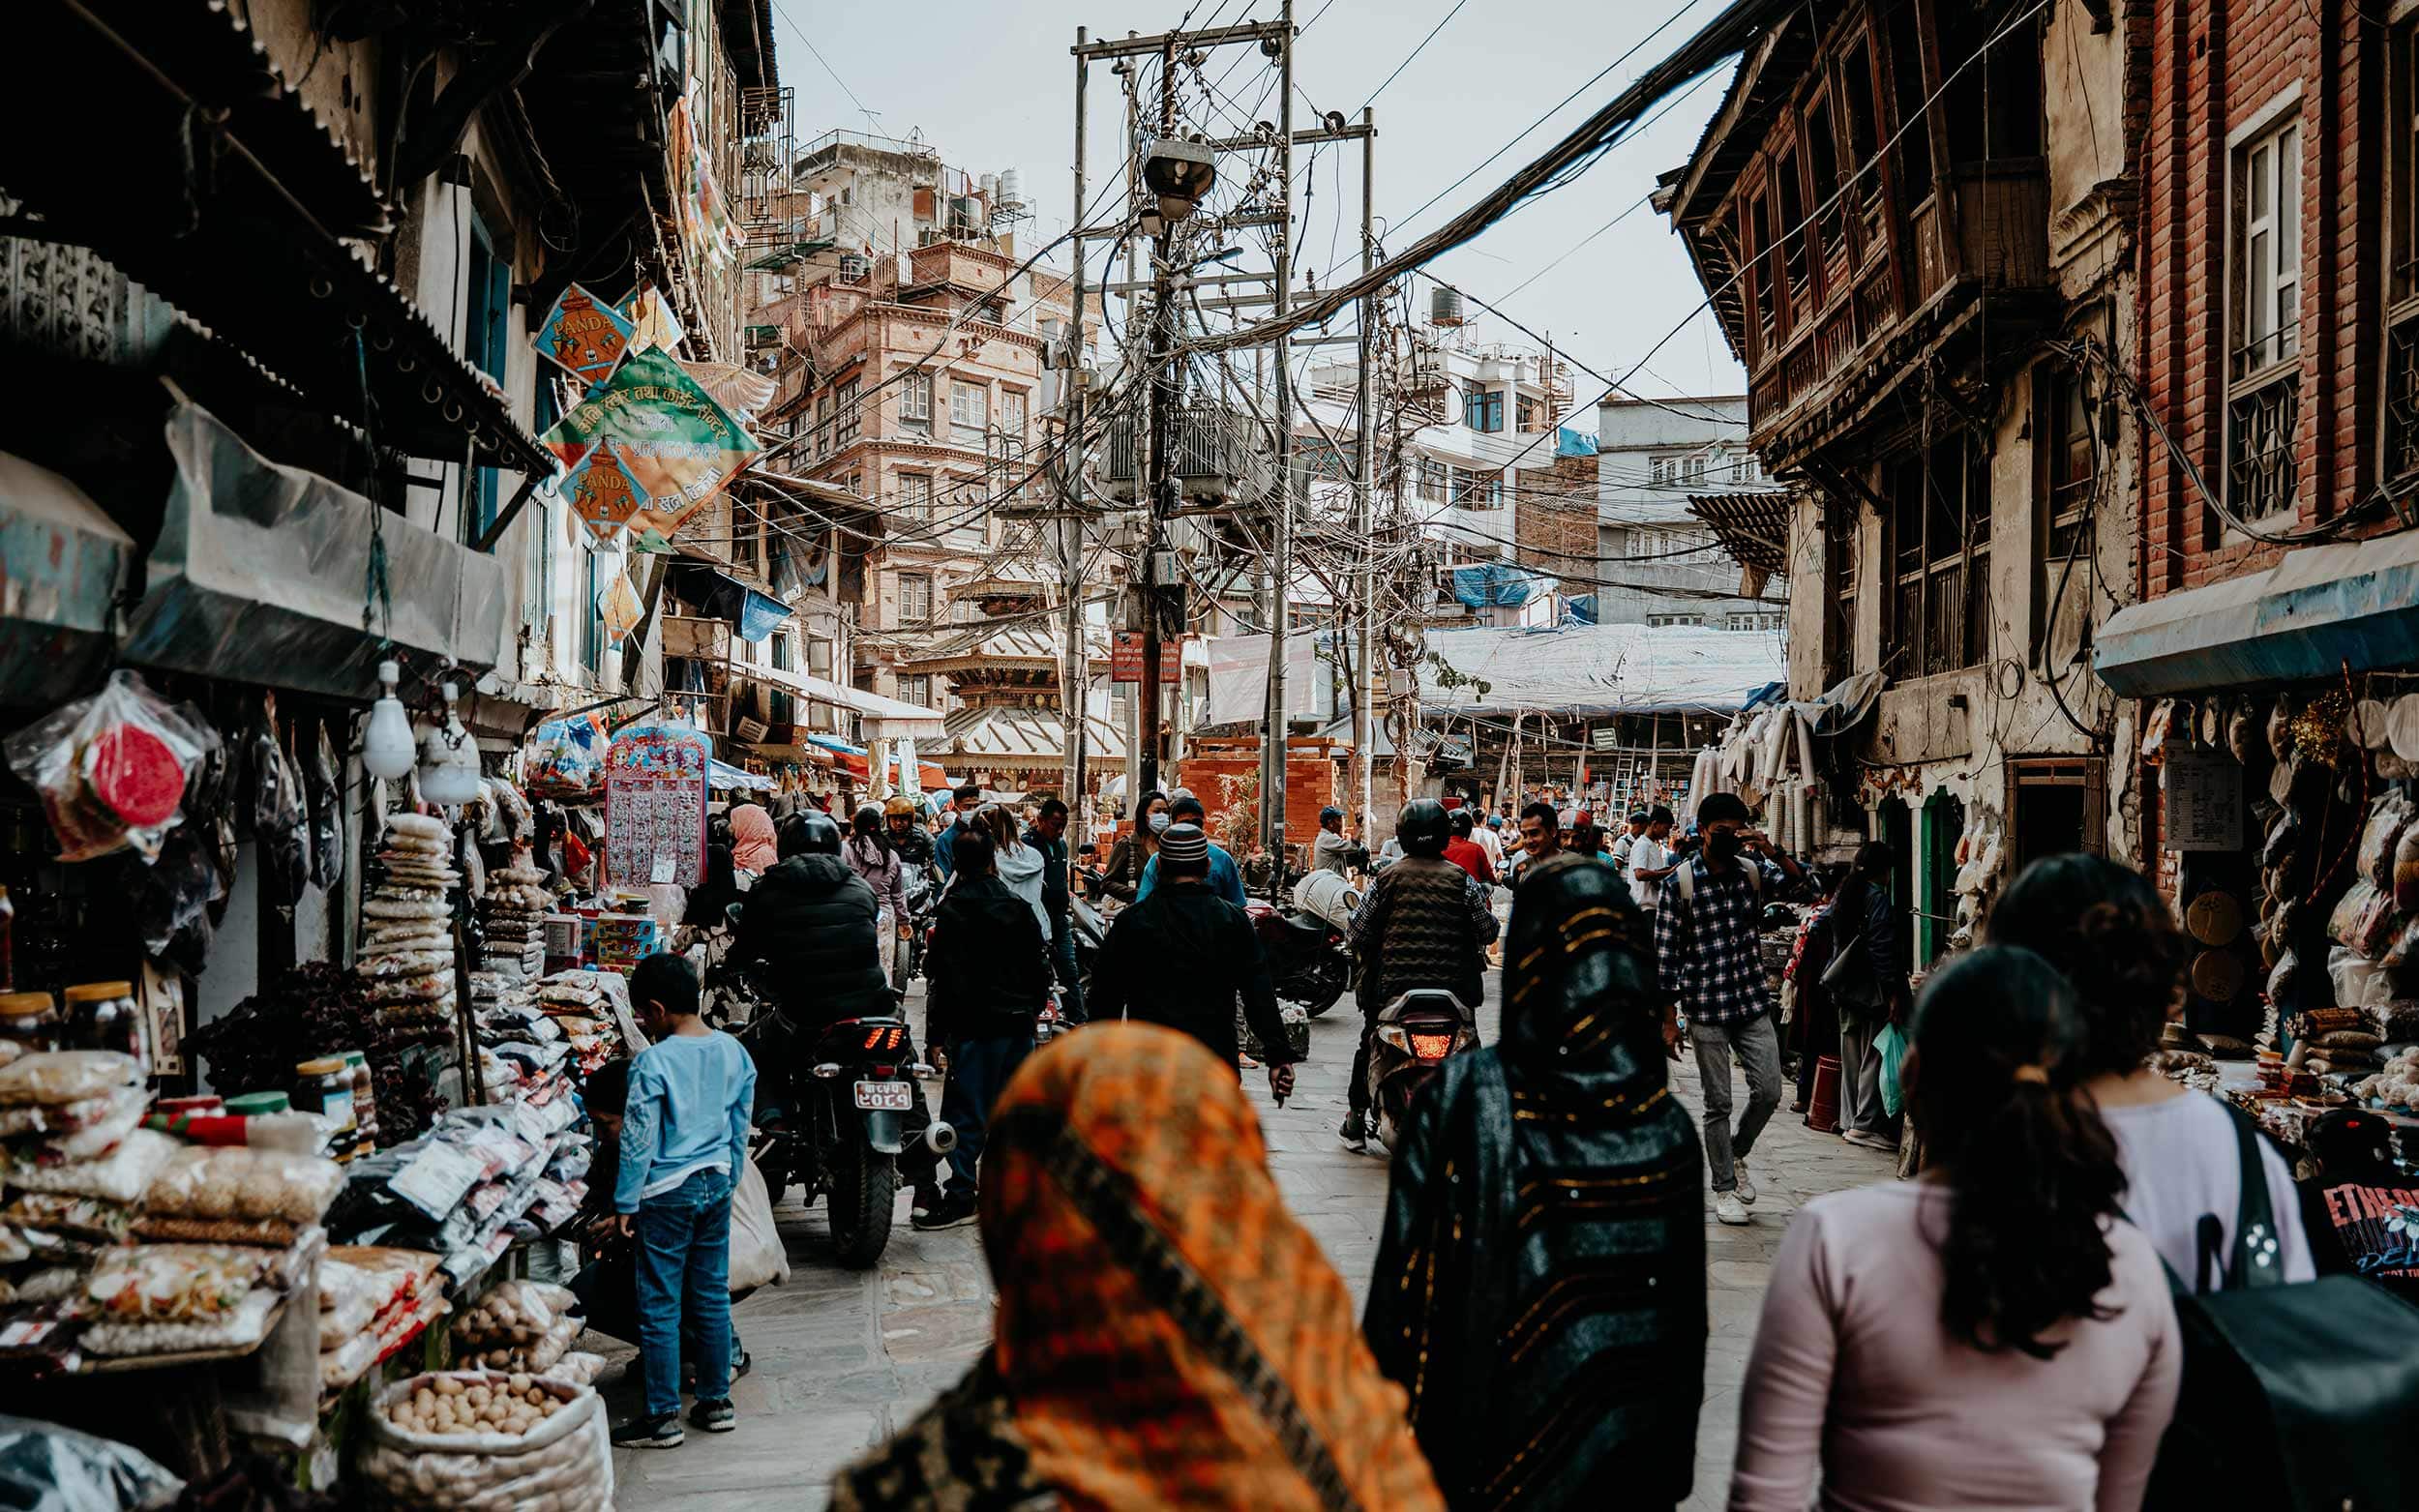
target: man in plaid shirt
1706 949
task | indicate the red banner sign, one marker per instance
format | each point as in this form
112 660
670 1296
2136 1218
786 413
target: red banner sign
1125 658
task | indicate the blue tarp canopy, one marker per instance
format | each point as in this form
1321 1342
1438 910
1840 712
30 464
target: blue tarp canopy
1580 610
834 743
1574 443
2322 609
721 774
1498 585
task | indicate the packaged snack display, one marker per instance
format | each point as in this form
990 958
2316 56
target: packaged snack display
172 1283
237 1182
66 1076
110 768
240 1329
119 1176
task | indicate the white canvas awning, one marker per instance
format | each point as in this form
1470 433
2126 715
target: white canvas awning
1599 670
887 719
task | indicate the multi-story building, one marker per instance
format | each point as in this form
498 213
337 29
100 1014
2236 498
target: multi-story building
1660 463
918 367
1914 223
2275 379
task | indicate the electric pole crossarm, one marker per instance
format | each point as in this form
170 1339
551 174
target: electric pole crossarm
1210 36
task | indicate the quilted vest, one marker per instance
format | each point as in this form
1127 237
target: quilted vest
1424 938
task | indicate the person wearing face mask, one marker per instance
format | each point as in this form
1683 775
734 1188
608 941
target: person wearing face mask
1132 852
1707 946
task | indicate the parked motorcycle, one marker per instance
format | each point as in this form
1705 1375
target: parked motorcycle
1416 1034
1307 961
831 1107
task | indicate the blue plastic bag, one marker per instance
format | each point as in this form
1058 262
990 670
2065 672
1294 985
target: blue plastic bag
1890 1045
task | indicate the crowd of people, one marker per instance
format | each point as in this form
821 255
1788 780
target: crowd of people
1997 1330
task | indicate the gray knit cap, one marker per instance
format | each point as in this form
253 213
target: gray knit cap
1183 848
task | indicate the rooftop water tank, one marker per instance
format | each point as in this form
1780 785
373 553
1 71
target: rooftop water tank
1444 306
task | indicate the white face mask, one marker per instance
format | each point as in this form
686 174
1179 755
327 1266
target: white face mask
1159 822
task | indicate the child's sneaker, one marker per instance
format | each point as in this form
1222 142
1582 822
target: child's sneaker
661 1431
713 1418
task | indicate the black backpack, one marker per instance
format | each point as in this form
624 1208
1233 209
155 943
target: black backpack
2302 1397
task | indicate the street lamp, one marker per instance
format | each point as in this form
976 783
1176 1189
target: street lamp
1180 174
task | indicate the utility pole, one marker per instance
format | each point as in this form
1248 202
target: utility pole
1075 676
1161 475
1281 541
1365 444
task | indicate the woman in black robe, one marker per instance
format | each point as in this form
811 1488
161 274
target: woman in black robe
1541 1281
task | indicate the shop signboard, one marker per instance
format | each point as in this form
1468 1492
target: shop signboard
584 335
655 782
1125 658
678 443
2203 800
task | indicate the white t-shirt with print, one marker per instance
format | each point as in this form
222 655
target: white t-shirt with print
1647 856
2180 1161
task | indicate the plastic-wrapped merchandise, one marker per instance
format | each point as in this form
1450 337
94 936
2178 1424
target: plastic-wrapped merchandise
103 1134
278 822
119 1176
577 1367
325 791
239 1182
172 1283
66 1076
240 1329
24 1118
512 1312
80 1217
540 1355
44 1468
110 768
2388 817
421 1453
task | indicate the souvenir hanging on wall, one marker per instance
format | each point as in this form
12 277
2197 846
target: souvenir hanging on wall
679 444
603 492
584 335
652 324
655 782
618 603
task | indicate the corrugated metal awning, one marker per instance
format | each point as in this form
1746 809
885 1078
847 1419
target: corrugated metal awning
2323 609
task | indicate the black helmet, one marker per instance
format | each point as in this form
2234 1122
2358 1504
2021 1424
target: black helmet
1463 823
808 833
868 819
1421 827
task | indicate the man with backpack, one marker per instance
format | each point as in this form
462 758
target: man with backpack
1708 953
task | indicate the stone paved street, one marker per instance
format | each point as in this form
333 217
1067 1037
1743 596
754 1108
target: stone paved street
842 1357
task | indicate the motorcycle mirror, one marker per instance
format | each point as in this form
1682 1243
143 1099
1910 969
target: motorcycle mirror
731 911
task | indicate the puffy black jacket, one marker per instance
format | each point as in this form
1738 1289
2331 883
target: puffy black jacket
1182 957
989 968
816 927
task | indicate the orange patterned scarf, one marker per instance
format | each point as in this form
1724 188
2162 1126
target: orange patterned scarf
1168 1335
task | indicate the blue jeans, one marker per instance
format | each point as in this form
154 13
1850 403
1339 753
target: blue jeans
979 1068
684 1267
1070 980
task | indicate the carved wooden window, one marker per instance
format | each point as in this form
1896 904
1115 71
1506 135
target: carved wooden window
1940 549
2263 401
2401 322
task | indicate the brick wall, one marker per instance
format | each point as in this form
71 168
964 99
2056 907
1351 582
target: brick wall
2216 67
1554 520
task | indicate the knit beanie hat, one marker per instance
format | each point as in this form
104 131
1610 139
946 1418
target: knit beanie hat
1183 851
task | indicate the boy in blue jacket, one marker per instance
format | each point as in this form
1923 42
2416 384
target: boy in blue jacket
684 1136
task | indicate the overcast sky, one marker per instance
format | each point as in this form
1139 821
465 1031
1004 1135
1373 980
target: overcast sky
991 86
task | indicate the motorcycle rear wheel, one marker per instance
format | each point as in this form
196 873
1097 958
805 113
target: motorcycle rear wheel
860 1205
1319 985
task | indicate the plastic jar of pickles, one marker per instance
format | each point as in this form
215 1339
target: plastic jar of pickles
325 1086
31 1021
105 1016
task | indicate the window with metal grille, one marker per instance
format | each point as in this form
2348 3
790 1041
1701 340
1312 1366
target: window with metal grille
915 597
1940 547
1842 568
915 398
849 417
2401 320
2263 404
1482 409
2073 453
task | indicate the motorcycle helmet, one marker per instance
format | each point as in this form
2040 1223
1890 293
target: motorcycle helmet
897 805
1421 827
868 819
808 833
1462 824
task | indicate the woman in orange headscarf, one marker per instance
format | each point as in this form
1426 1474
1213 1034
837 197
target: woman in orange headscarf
1168 1336
753 846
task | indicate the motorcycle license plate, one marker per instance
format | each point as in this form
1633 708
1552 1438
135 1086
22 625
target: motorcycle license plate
893 1097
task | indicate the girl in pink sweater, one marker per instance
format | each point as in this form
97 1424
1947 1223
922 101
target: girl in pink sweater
1992 1336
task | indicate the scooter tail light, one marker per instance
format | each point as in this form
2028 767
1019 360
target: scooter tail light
1431 1047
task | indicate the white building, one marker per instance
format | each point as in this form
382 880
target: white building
1661 564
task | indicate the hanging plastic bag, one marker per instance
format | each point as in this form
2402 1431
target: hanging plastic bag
326 793
1890 1045
278 825
112 769
757 1255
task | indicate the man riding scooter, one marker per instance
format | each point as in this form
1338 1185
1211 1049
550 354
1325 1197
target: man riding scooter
1424 923
813 931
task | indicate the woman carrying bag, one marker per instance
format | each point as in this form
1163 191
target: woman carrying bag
1863 983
